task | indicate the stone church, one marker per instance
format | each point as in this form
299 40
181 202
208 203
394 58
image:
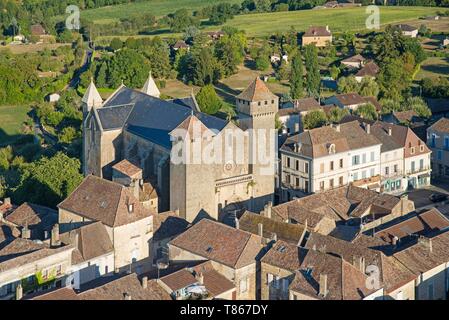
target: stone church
137 125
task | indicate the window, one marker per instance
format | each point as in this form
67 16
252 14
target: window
412 150
321 167
421 148
306 167
395 168
387 171
297 165
364 174
372 156
322 185
364 158
59 270
297 182
287 179
440 155
432 141
340 181
259 103
341 163
331 183
288 162
421 164
372 172
355 160
244 285
306 186
332 166
266 102
356 176
413 166
446 142
430 290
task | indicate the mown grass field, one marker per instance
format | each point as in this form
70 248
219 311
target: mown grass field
338 20
11 123
156 7
433 68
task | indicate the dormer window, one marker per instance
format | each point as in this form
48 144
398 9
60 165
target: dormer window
412 150
421 148
331 148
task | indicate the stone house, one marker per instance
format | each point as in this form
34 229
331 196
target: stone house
128 223
201 282
438 142
318 35
233 253
329 157
357 61
27 266
369 70
408 30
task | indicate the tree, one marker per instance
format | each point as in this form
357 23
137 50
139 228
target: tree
367 111
116 44
313 78
347 85
181 20
297 77
262 62
128 66
314 119
334 72
205 68
418 105
336 114
229 51
49 180
208 100
368 87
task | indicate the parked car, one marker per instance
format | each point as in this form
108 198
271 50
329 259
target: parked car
438 197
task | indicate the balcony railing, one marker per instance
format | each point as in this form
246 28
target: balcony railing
418 170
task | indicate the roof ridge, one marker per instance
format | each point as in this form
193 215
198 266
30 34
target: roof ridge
244 247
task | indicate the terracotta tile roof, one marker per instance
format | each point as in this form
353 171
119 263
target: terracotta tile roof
356 58
7 232
32 214
388 143
406 27
214 281
370 69
257 91
168 225
426 224
102 200
287 111
349 99
391 273
59 294
284 255
37 30
317 31
179 280
441 125
218 242
421 257
306 104
356 136
129 284
374 102
406 116
127 168
93 241
21 251
180 44
249 221
344 281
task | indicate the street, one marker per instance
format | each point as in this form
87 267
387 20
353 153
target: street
421 197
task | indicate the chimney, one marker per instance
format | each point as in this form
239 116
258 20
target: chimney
274 237
177 212
327 28
296 127
390 131
323 285
116 270
395 240
19 292
55 241
26 232
200 278
237 223
367 128
427 242
130 207
337 128
145 282
260 229
127 296
359 263
268 209
77 237
7 201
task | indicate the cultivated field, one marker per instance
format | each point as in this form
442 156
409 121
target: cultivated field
156 7
11 123
434 67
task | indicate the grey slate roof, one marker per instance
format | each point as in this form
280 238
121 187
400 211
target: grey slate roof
114 117
152 118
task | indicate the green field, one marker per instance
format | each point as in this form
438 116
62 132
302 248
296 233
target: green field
263 24
338 20
155 7
11 123
434 67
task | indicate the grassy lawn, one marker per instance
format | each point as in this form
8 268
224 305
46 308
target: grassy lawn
11 124
155 7
434 67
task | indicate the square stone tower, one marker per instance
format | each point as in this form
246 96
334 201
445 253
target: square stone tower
257 107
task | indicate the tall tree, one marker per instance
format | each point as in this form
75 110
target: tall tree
297 77
313 78
208 100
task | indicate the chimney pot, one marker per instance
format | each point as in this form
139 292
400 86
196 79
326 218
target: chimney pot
260 229
237 223
200 278
19 292
145 282
323 285
26 232
268 209
390 131
368 128
7 201
55 241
